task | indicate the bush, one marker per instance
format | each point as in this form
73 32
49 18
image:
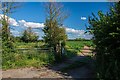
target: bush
29 36
106 31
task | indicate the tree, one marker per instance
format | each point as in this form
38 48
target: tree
29 36
106 31
55 35
7 9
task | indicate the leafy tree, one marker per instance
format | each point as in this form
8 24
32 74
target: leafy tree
55 35
29 36
7 43
106 31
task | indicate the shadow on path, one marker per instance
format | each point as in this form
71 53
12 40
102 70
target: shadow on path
79 67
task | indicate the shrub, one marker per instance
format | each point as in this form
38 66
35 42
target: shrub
106 31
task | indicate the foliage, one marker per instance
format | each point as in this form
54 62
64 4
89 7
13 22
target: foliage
55 35
29 36
106 31
7 41
29 58
17 38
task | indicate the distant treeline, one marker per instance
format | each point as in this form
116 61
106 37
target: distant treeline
41 40
79 39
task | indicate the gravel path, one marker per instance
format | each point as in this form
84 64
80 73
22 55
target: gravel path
31 73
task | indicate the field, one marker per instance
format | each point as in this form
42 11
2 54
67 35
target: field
74 47
23 57
78 45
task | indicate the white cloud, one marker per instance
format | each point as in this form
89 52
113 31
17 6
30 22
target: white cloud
73 33
11 21
15 32
30 24
83 18
87 36
71 30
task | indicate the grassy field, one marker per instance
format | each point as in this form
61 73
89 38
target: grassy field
38 58
78 45
74 47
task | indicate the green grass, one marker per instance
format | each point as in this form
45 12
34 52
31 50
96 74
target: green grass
27 59
78 45
74 47
28 45
37 58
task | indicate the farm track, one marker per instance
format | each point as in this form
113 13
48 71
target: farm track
84 71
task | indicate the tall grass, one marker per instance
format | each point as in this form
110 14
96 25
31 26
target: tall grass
28 45
26 59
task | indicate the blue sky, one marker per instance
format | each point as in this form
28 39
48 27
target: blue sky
33 14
